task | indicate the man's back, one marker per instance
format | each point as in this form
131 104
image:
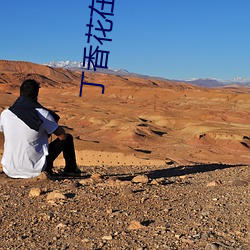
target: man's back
25 149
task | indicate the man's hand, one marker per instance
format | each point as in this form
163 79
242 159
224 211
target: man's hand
60 133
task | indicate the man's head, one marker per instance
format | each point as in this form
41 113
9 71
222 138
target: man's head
29 88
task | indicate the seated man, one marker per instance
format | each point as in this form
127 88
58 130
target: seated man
26 127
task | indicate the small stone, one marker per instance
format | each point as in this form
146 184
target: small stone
140 179
177 236
85 181
60 225
112 178
85 240
205 213
167 210
197 236
135 225
143 199
112 181
238 233
108 237
43 176
239 183
127 191
109 211
183 177
55 195
46 217
35 192
190 242
97 178
211 246
205 236
154 182
124 183
214 183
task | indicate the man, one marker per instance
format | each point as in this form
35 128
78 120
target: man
26 127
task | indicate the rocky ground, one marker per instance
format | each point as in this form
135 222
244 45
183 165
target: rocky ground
171 207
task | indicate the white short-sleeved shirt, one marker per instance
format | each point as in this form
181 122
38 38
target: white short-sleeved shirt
25 149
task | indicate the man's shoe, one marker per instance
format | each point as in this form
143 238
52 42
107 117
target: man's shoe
49 171
73 171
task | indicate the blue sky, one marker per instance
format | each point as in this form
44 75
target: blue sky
175 39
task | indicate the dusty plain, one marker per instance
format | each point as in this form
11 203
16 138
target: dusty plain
187 146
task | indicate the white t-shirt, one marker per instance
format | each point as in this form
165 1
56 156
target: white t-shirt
25 149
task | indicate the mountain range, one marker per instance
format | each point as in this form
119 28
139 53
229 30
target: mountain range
204 82
73 65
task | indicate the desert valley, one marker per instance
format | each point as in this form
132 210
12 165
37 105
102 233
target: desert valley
166 165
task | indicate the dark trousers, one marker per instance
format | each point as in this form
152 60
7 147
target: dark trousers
67 147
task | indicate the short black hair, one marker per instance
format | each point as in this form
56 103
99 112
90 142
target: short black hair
29 88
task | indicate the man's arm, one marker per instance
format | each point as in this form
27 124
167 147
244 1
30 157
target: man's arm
60 133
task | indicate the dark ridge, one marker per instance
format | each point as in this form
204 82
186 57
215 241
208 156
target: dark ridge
145 151
158 132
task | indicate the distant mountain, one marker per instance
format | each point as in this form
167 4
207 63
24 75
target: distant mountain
79 66
207 82
213 82
65 64
204 82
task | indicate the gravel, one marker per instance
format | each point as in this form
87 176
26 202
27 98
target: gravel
174 209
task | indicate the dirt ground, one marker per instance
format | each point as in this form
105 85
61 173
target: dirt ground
173 207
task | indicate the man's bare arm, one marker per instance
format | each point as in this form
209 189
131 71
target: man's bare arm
60 133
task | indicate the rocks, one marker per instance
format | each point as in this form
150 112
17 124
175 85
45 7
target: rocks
35 192
85 240
60 225
214 183
189 241
239 183
172 214
127 191
183 177
154 182
96 178
55 195
135 225
110 211
211 246
108 237
43 176
112 180
178 236
86 181
140 179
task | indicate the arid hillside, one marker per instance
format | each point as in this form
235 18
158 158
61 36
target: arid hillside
139 121
165 166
